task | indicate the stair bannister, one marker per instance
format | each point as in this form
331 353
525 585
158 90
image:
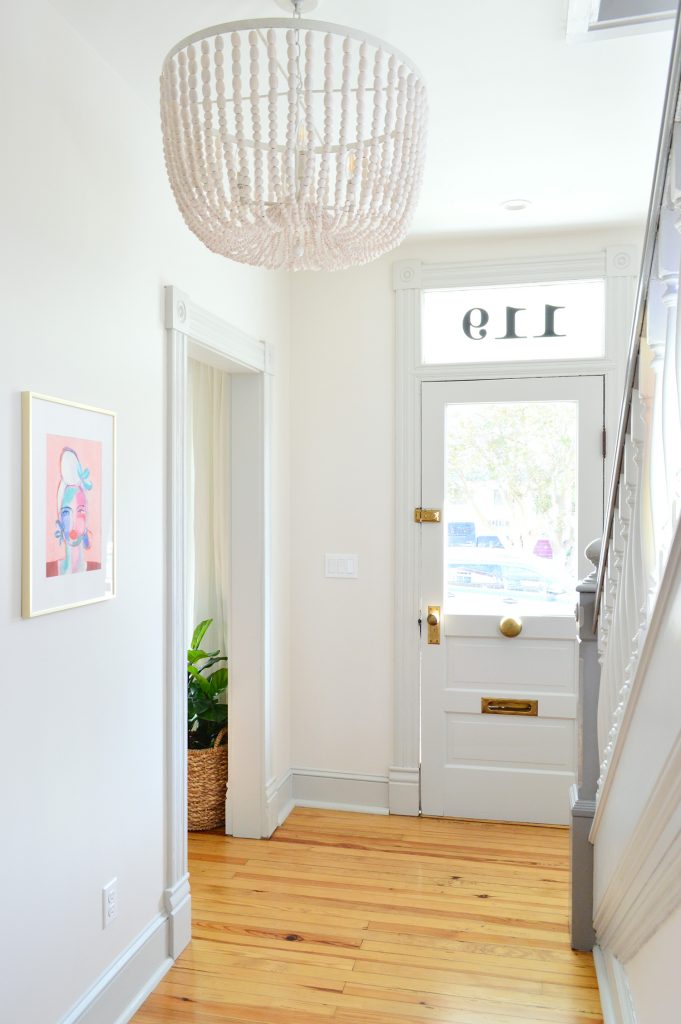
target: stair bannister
644 504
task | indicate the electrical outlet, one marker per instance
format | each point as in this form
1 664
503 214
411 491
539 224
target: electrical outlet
109 902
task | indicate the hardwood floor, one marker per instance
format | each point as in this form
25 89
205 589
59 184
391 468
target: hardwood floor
363 919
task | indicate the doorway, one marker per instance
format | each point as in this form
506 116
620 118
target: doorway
515 469
194 333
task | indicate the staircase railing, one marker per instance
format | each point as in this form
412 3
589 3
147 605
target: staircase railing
641 537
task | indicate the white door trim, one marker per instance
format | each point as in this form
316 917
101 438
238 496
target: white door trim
619 266
194 332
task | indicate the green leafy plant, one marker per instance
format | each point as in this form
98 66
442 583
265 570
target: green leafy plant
206 713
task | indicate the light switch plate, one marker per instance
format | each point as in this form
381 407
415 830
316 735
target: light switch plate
109 902
342 567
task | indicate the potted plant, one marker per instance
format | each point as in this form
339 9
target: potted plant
207 729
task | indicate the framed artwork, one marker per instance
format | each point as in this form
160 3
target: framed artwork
69 495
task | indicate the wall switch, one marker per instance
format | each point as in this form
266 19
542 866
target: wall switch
342 567
109 902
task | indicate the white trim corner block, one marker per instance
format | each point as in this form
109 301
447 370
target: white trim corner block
407 274
622 260
279 801
404 791
178 904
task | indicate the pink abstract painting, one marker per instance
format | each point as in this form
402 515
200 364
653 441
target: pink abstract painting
73 513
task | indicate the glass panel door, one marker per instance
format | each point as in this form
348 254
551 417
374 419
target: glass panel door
511 506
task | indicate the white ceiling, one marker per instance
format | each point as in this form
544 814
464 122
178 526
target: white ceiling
515 111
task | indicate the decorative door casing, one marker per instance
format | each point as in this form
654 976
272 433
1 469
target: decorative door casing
618 266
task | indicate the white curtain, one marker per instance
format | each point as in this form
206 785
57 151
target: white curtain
208 461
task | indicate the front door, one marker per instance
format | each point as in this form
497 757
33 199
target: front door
516 469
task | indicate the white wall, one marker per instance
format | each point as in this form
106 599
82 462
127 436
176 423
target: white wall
89 237
342 473
637 855
653 975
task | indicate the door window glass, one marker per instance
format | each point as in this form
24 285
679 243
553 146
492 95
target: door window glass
511 507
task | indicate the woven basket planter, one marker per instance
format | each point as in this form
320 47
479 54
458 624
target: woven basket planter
207 785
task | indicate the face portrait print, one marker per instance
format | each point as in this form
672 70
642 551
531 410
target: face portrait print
73 513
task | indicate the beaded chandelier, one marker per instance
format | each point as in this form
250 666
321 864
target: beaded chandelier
292 143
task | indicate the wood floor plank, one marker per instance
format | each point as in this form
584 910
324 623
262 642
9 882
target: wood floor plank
362 919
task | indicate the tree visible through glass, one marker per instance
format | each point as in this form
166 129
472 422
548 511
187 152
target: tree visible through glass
511 506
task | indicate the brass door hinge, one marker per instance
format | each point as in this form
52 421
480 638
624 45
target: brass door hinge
426 515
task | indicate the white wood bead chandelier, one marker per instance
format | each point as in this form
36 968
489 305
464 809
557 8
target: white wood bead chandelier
293 143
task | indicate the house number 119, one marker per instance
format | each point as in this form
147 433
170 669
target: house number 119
477 318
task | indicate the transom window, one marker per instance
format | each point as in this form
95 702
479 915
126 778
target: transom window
514 323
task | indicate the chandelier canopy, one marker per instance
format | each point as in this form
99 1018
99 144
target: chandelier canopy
293 143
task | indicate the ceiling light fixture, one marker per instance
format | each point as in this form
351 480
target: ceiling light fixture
293 143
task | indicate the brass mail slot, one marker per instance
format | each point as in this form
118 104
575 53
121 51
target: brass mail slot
504 706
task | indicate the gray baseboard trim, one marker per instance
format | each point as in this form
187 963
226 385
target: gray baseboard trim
340 791
120 991
613 987
582 934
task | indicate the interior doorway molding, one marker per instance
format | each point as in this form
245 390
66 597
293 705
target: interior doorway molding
194 333
618 266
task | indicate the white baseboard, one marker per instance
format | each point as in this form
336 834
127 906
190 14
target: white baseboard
334 791
120 991
614 989
340 791
278 802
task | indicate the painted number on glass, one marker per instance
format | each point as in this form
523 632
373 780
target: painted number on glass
475 323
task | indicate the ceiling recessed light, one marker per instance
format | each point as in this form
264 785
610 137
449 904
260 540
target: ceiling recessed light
516 204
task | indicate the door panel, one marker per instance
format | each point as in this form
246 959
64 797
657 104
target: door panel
509 545
486 660
485 743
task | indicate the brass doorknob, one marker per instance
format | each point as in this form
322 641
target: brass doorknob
432 619
510 626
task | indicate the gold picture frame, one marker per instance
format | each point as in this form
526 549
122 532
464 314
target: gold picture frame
69 504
